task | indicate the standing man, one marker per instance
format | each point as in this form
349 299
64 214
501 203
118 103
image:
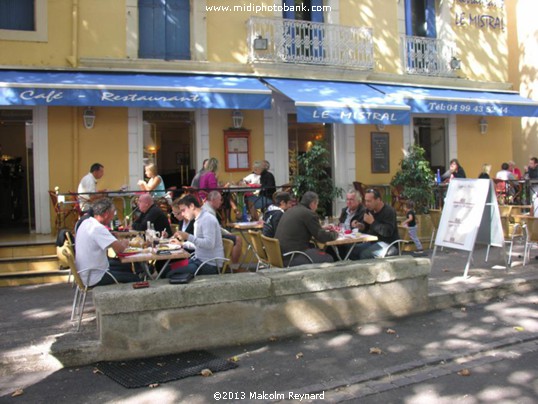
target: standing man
151 213
93 240
265 197
207 239
379 220
354 210
274 213
298 226
88 184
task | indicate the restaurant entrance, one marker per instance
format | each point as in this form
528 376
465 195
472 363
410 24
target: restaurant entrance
16 170
431 134
168 142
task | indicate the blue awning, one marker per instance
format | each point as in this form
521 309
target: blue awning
464 102
339 102
19 87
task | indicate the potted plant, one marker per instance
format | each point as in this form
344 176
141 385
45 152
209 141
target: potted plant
415 181
313 175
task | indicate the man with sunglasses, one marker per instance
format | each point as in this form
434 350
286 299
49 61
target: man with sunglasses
378 220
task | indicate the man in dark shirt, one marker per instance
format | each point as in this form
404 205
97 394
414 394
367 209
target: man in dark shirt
274 212
379 220
151 213
531 171
298 226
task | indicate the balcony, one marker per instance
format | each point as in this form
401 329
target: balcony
277 40
428 56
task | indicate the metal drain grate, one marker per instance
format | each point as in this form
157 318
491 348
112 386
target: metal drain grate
161 369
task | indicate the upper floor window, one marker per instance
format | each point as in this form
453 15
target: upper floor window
23 20
17 15
164 29
420 18
304 10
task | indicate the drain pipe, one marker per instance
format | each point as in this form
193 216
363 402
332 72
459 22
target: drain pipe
73 59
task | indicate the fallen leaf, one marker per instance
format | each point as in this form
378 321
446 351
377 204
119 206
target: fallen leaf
391 331
464 372
464 309
161 364
299 355
234 359
153 385
273 339
18 392
376 350
518 328
97 371
206 373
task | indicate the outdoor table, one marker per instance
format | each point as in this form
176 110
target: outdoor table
243 228
148 255
351 240
126 233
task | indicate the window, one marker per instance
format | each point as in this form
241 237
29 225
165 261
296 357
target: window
23 20
420 18
164 29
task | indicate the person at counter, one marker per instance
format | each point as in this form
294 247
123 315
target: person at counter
88 184
92 241
151 213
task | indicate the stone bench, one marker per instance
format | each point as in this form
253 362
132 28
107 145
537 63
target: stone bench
214 311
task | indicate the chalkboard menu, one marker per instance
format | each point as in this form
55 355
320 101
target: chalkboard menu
380 152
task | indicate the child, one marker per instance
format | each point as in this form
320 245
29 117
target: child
411 224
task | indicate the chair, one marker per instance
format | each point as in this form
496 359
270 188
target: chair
435 217
63 210
510 231
221 262
274 253
81 290
501 191
399 243
531 232
257 246
67 238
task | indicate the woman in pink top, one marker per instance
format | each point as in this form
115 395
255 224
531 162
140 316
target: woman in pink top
208 180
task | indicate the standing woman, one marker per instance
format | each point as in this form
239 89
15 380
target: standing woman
208 180
155 182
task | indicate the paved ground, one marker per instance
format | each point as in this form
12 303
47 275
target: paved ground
35 317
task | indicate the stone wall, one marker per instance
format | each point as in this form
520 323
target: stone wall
224 310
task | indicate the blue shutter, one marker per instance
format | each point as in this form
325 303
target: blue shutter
17 15
151 18
409 18
431 31
317 16
177 30
289 14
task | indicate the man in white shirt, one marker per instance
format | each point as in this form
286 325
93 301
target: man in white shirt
88 184
504 174
92 241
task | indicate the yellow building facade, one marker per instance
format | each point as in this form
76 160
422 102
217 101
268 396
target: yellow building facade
371 77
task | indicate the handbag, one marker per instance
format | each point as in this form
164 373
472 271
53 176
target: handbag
181 278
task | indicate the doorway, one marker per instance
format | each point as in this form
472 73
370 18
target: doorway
431 135
169 144
17 211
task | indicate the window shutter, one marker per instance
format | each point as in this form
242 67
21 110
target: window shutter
177 30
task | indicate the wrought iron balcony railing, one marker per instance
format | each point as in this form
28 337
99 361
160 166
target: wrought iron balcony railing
291 41
428 56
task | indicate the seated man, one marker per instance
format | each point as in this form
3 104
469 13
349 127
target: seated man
354 210
92 241
298 226
211 205
379 220
151 213
207 239
274 213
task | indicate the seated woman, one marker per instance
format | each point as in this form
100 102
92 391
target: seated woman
155 182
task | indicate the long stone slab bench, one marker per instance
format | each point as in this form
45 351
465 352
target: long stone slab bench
214 311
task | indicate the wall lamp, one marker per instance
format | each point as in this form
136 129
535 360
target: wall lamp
237 119
88 118
380 126
455 63
261 43
483 125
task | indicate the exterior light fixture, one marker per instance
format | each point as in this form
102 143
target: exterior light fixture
237 119
483 125
88 118
261 43
380 126
455 63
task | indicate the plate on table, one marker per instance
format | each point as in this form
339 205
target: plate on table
168 247
130 251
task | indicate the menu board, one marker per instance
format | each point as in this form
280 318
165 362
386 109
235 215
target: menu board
470 210
379 142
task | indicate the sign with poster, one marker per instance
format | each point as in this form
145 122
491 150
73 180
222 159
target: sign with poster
237 149
470 215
